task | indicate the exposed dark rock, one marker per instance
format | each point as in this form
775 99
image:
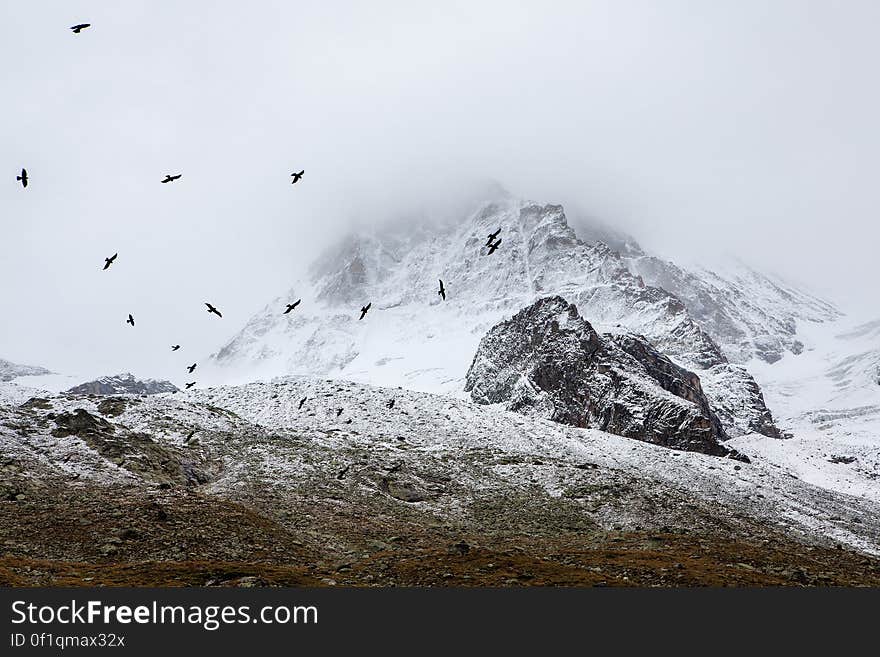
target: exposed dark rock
403 490
112 407
80 422
37 402
548 361
136 452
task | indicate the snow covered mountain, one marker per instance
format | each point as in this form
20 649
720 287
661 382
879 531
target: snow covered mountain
123 384
412 338
10 370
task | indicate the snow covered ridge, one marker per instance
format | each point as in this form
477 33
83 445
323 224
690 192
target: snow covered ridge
121 384
391 451
10 370
547 361
420 429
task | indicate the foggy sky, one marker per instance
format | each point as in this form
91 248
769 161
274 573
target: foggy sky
747 126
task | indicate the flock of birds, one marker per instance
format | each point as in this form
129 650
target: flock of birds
492 244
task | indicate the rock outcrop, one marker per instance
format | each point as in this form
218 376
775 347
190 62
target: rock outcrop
548 361
738 402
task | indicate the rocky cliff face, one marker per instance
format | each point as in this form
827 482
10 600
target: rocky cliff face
548 361
122 384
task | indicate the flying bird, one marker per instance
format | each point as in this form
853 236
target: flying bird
344 470
301 402
169 178
130 320
364 310
190 435
297 176
191 368
291 306
338 412
493 247
442 291
212 309
23 178
175 347
390 403
492 236
79 28
109 261
190 385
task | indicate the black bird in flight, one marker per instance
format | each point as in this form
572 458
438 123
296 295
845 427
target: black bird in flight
291 306
390 403
169 178
212 309
191 368
492 237
442 291
130 320
109 261
364 310
79 28
297 176
190 385
301 402
338 412
493 247
344 470
175 347
23 178
190 435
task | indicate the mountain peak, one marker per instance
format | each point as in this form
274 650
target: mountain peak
122 384
10 370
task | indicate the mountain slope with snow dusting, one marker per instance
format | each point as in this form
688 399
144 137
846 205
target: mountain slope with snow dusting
317 482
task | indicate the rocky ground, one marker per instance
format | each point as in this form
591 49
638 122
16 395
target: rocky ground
248 486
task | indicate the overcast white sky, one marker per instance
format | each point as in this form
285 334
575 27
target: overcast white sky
745 124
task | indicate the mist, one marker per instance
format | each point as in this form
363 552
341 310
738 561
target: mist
699 128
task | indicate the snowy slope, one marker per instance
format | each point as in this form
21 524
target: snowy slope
828 398
425 424
747 313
